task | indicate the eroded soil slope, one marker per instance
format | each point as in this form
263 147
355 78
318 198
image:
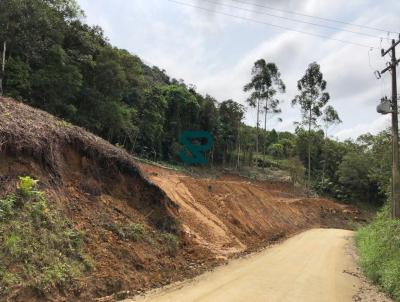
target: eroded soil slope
231 214
101 190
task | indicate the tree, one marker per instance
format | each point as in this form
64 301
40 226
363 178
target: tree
151 120
181 115
311 99
265 83
353 174
330 118
231 115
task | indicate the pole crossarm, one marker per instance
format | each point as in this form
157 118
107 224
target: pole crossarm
385 52
390 66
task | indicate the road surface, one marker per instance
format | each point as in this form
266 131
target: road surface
311 266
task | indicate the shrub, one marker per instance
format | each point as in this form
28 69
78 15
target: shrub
135 232
27 186
379 251
40 249
7 206
171 241
276 150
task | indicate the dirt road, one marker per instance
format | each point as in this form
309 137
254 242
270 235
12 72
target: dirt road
312 266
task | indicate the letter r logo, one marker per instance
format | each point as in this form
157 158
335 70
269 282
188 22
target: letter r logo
196 150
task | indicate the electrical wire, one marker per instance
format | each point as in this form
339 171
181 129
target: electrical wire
316 17
293 20
272 25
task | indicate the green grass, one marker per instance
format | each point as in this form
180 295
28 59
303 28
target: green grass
133 231
379 250
39 248
171 241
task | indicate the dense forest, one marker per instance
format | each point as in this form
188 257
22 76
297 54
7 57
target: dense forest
56 62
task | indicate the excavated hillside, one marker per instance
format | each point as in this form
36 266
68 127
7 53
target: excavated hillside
190 224
230 214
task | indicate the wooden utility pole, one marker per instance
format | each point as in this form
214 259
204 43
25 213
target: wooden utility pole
395 129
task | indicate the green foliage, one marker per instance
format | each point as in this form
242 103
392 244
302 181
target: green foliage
265 82
296 170
379 252
113 94
171 241
353 172
41 249
276 150
27 186
133 231
7 206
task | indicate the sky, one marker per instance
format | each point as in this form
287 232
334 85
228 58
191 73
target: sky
216 52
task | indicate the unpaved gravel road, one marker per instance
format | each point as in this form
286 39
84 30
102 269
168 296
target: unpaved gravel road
316 265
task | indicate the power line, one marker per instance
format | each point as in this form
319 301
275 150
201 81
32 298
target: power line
273 25
316 17
294 20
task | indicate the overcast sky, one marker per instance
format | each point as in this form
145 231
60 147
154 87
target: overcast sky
216 52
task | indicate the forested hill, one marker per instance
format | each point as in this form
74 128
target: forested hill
56 62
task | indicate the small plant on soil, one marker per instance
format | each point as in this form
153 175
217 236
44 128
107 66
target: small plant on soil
64 124
133 231
40 248
171 241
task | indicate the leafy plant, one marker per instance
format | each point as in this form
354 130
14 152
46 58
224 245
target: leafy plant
43 249
27 186
135 231
379 249
171 241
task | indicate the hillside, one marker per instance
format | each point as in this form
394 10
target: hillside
184 225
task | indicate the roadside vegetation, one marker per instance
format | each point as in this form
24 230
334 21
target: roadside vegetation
379 250
40 249
115 95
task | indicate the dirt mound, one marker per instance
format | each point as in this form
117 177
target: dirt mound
189 224
100 189
232 214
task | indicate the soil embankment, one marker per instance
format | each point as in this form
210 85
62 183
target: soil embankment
101 189
232 214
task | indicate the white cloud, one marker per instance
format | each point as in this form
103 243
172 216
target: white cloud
374 127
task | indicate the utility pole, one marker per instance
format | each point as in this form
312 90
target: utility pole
395 129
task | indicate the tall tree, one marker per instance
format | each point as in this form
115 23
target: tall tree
330 118
265 83
231 115
312 98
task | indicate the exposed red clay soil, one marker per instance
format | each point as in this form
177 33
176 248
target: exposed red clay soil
231 214
96 185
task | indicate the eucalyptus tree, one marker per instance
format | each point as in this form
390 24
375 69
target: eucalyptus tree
330 118
312 98
265 83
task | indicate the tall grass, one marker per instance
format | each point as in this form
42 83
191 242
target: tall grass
40 249
379 251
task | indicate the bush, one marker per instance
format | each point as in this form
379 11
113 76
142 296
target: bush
40 248
379 250
27 186
172 242
132 232
276 150
135 232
